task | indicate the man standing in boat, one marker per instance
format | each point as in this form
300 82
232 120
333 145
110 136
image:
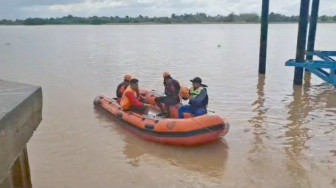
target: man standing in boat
122 86
198 100
131 99
172 90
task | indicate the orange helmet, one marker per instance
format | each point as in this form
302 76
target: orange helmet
127 77
184 93
166 74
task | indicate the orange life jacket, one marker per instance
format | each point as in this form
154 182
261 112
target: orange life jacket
125 103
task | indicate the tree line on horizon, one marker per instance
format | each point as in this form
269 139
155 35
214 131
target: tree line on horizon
184 18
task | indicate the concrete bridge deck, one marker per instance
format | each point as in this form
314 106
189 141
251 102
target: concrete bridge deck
20 115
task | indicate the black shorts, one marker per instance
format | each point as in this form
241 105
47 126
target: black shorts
168 101
138 109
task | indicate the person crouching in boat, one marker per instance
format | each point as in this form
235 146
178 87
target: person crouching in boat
122 86
131 99
172 90
198 99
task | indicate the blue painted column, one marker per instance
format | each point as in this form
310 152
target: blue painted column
312 27
263 36
301 41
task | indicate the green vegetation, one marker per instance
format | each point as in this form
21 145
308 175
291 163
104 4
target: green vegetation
185 18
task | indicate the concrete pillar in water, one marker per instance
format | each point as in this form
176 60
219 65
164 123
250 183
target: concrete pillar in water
20 172
20 115
25 169
301 41
263 37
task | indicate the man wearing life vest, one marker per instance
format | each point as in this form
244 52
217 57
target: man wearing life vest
198 99
122 86
172 90
131 99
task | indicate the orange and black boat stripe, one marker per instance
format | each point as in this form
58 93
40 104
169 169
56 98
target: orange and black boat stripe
176 134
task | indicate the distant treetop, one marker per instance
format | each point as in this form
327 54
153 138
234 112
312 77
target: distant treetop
183 18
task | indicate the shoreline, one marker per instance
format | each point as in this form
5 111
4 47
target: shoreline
205 23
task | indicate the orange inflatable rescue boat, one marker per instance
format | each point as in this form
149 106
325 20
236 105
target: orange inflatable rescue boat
187 132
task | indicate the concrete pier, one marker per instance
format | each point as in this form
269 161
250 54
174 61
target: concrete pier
20 115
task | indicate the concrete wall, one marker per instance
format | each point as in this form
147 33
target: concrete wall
20 115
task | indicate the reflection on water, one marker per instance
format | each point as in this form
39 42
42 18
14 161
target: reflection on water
298 131
259 109
305 100
209 159
258 123
297 135
298 110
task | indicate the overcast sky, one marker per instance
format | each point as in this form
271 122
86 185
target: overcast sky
13 9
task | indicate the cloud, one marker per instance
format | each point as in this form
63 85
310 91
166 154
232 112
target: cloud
86 6
54 8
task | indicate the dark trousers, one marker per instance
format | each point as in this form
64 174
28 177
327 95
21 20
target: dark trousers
167 101
188 109
139 109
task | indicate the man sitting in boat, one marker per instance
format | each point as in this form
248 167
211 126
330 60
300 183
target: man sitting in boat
122 86
131 99
172 90
198 99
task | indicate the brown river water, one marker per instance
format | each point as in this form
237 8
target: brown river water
280 136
